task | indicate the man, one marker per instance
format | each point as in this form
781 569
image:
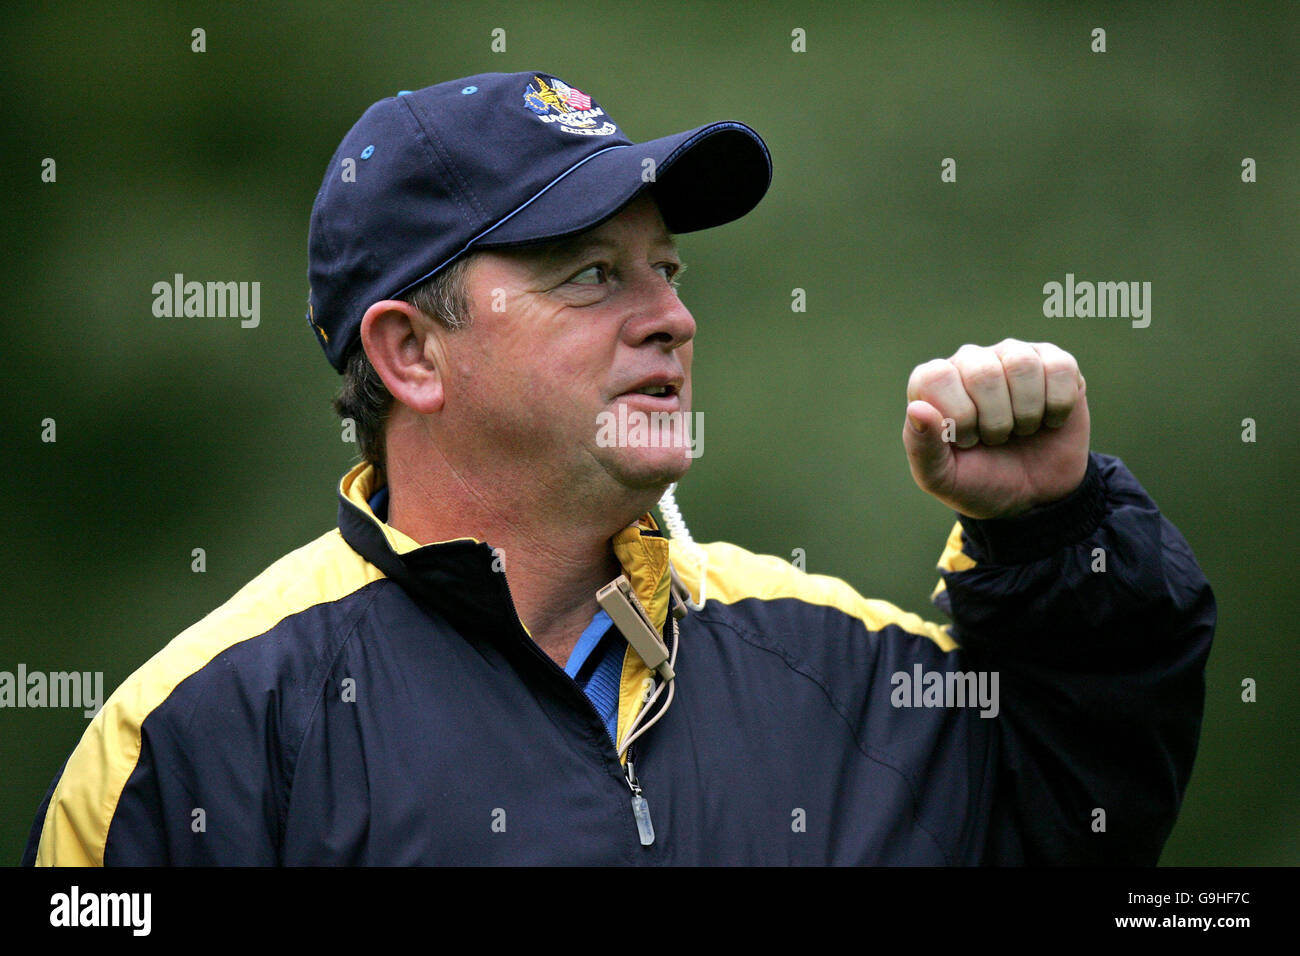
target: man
498 657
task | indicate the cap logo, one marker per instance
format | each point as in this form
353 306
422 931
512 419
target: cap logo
570 109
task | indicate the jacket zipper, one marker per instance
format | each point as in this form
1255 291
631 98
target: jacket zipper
640 806
645 827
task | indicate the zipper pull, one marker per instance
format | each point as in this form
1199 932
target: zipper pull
640 807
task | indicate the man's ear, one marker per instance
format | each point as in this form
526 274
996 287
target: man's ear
404 348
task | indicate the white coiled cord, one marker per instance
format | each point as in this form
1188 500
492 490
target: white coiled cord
678 531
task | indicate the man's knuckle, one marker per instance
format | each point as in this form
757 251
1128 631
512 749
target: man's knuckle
1059 367
1056 407
933 375
1022 365
983 375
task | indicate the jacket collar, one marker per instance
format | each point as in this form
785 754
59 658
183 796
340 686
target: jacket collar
456 577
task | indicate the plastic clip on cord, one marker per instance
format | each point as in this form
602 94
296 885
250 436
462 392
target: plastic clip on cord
619 601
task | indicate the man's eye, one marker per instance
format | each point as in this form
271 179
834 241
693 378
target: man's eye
672 271
592 275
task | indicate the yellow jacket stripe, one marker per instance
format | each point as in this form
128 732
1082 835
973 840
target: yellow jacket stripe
85 799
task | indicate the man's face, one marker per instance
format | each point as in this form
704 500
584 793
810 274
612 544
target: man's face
561 336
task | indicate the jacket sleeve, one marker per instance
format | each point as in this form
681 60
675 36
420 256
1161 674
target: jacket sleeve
1098 621
105 785
166 774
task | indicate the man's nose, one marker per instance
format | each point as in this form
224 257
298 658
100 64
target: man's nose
660 316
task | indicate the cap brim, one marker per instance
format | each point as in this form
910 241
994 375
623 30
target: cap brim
702 178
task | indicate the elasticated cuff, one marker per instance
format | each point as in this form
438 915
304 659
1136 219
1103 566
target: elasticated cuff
1042 531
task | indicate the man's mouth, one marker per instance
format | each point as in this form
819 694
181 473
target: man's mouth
657 385
659 391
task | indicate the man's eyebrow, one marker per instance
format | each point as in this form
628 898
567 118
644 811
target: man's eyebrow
565 250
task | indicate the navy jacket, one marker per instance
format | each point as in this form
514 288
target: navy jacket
366 700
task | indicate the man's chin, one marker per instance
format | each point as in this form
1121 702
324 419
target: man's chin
651 473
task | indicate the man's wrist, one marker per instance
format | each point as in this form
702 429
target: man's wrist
1042 531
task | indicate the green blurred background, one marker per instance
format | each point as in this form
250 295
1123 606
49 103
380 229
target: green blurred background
182 433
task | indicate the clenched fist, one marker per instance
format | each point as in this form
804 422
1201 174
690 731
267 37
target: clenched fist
992 432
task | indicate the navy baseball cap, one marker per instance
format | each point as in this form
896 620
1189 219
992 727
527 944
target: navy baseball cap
495 160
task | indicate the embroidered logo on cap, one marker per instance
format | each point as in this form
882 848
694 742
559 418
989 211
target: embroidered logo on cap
566 106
